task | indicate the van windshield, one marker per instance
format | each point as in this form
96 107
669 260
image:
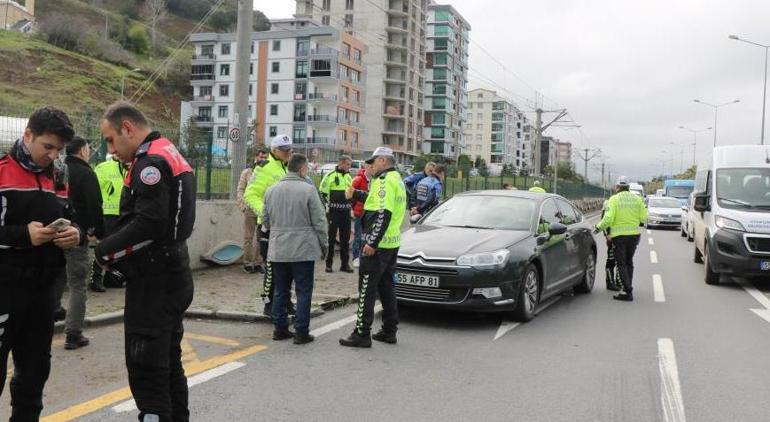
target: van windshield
681 192
744 188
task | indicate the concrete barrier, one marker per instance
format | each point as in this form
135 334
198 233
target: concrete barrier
215 222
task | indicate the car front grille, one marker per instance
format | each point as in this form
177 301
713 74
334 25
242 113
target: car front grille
431 294
426 271
758 244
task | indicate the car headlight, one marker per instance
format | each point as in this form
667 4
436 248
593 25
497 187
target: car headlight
486 259
726 223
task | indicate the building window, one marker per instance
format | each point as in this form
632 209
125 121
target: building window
348 4
273 88
300 111
302 68
204 91
273 109
325 20
327 5
348 20
478 137
276 67
479 116
225 48
251 68
224 90
251 90
479 127
222 132
273 131
224 70
252 47
480 95
223 111
356 55
276 45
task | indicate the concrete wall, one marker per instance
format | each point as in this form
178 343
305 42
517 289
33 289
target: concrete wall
216 221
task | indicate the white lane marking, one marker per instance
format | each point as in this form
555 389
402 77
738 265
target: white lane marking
650 241
657 287
653 257
505 326
3 318
130 405
670 388
759 297
649 231
339 324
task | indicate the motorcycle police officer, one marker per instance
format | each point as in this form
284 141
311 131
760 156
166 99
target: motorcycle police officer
429 191
384 209
148 246
33 194
332 188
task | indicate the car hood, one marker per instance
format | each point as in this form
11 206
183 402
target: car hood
451 242
672 211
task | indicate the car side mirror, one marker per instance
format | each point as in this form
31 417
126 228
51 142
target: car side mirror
684 207
701 202
557 229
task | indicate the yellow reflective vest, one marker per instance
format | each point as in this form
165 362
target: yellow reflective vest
625 212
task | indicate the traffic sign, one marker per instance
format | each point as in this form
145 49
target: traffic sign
235 134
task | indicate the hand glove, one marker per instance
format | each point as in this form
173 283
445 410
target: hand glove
596 230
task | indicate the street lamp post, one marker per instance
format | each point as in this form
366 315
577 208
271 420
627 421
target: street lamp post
764 89
716 108
694 139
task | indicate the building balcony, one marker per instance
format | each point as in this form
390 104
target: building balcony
396 78
203 99
397 26
316 142
324 51
394 94
204 58
319 97
198 78
394 60
400 9
203 121
394 112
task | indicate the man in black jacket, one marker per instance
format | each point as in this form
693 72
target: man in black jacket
32 195
86 199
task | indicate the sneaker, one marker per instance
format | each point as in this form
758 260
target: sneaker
625 297
613 287
385 337
248 269
268 309
60 314
76 341
347 270
303 338
291 309
258 269
356 262
283 334
356 340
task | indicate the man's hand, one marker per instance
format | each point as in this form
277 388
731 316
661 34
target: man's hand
369 251
67 238
349 193
39 234
414 211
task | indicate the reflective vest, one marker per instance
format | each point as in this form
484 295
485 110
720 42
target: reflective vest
111 175
386 194
625 212
333 187
263 178
537 189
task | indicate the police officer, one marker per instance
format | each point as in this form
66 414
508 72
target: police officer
429 191
610 266
111 173
333 187
384 210
148 246
625 214
33 195
536 187
264 177
411 181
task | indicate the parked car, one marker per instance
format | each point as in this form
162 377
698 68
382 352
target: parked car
494 251
687 218
732 219
663 212
660 192
327 168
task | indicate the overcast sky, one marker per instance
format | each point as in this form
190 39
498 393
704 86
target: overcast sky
627 71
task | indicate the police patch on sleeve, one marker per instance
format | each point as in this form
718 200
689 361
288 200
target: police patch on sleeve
150 175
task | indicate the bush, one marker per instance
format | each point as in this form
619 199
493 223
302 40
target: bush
64 31
137 39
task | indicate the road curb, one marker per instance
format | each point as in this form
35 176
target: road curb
94 321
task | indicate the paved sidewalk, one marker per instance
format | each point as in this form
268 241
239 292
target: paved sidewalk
231 289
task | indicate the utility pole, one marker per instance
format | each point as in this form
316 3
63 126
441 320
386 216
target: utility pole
586 158
604 184
241 117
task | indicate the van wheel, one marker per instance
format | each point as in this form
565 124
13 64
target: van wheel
712 278
697 256
690 237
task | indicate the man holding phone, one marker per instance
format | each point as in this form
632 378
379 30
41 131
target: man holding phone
33 194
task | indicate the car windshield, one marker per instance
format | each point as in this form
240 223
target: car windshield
744 188
681 192
664 203
484 211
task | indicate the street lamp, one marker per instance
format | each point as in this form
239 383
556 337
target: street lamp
716 108
694 139
123 82
764 90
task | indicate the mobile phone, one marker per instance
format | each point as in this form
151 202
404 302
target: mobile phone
59 225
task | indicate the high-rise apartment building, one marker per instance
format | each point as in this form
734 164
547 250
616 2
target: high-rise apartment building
306 80
490 132
446 88
395 34
564 152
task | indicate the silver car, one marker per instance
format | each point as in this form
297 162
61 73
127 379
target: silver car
664 212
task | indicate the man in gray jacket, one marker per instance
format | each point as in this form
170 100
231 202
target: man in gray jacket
296 219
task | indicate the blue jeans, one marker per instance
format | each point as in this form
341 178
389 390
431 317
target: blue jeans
301 273
358 239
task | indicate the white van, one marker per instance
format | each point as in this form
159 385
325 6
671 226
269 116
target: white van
731 218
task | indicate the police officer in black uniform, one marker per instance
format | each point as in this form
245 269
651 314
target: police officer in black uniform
148 247
33 194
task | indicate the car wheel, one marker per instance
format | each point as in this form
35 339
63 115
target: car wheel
589 276
529 295
697 257
690 237
712 278
682 232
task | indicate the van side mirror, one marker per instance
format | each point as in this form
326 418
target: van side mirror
701 202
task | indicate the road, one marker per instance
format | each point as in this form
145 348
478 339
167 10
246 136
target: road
682 350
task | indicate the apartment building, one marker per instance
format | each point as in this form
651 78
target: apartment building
492 126
525 137
446 88
548 152
306 80
395 34
564 152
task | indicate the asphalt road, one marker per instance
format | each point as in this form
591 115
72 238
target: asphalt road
683 351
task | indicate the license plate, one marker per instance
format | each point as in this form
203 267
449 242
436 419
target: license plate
764 265
417 280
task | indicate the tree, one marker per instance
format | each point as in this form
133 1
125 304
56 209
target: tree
137 39
156 11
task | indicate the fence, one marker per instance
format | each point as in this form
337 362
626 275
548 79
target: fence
565 188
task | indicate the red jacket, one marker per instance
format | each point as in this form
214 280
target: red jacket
360 183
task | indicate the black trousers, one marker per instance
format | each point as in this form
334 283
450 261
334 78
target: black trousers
26 328
610 267
267 284
339 221
375 278
625 248
155 305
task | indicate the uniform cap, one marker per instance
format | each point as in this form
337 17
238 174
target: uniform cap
622 181
281 142
380 152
